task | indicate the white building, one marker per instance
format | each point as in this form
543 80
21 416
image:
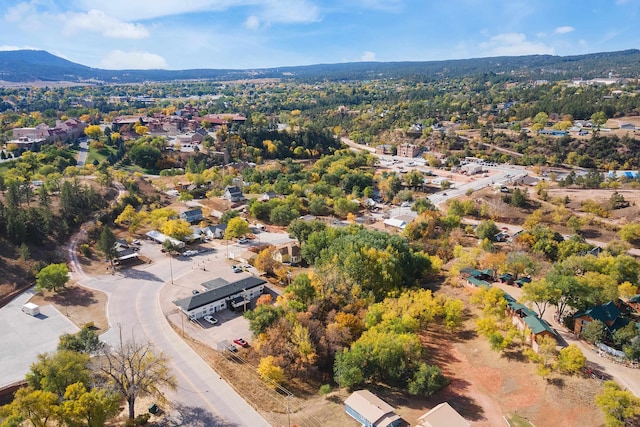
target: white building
220 295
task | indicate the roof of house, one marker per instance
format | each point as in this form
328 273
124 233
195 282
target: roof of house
470 271
218 289
538 325
605 313
443 415
194 213
635 298
370 406
233 190
478 282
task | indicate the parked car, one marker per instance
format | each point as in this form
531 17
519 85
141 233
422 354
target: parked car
195 292
241 342
210 319
236 269
243 240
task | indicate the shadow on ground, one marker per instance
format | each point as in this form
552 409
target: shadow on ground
71 296
184 415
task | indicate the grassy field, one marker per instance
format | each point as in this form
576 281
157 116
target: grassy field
100 155
517 421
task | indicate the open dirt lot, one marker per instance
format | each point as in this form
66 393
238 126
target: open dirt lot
80 305
486 385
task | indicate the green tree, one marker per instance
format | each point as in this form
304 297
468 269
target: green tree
540 293
283 215
145 155
107 244
55 372
88 407
262 317
594 331
84 341
36 406
426 381
133 370
487 230
619 406
518 198
423 204
519 263
343 207
571 360
227 215
237 227
598 119
301 229
52 277
630 232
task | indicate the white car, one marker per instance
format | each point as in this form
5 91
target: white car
210 319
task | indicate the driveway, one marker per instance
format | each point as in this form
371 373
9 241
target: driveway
23 337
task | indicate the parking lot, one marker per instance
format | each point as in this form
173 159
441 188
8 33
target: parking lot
23 337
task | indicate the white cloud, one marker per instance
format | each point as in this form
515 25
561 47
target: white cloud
283 11
132 60
368 56
5 47
100 22
18 12
252 22
564 30
514 44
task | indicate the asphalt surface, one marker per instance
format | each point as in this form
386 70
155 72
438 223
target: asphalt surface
135 312
23 337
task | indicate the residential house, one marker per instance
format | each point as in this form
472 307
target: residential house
371 411
526 319
288 254
477 278
268 195
158 237
214 231
607 313
442 415
233 194
408 150
221 294
192 216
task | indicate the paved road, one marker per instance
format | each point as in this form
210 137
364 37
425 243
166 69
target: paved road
84 151
202 397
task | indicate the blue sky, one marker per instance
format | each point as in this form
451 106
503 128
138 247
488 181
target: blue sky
180 34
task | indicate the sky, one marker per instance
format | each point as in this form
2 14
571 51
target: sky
246 34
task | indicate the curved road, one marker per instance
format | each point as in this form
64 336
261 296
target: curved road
134 312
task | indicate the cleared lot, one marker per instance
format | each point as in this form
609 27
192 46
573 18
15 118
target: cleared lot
23 337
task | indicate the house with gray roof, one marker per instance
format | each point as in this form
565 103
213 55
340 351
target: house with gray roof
220 295
233 194
194 215
371 411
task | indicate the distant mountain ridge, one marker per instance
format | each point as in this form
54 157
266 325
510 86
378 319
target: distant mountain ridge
32 65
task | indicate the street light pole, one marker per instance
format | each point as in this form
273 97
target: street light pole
170 267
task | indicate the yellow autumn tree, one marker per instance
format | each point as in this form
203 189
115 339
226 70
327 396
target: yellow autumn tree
270 372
